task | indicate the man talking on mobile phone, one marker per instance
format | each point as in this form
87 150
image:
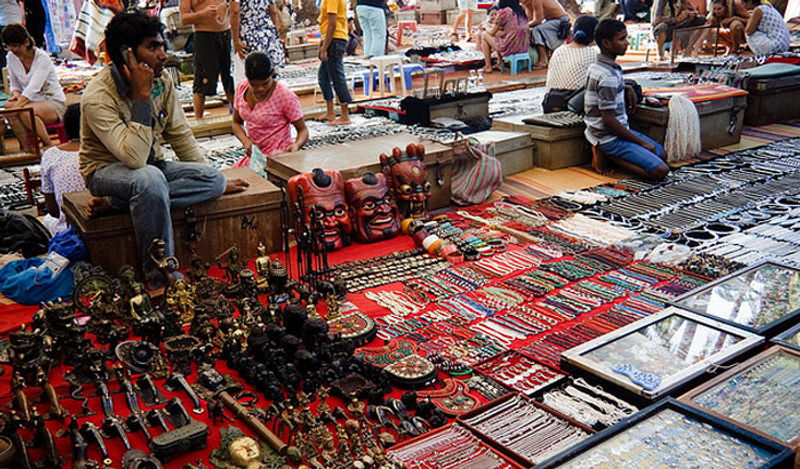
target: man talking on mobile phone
125 110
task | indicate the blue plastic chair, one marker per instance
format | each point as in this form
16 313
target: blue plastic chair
516 60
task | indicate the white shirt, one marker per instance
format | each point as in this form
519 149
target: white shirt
568 67
10 12
40 82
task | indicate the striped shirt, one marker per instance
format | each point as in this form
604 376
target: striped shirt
605 90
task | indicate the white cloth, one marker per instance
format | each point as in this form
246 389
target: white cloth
40 83
10 12
569 66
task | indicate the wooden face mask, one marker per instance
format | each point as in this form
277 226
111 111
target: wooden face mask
372 208
323 199
406 173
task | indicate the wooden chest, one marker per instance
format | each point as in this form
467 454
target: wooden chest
302 51
773 100
433 17
514 150
721 121
244 219
553 147
353 159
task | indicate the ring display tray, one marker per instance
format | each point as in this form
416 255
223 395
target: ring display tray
524 429
655 355
449 447
761 395
673 434
760 299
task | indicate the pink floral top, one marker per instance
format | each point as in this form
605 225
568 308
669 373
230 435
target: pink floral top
512 37
269 122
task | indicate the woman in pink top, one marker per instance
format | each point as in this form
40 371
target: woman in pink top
267 107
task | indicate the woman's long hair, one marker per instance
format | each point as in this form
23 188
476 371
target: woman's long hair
515 7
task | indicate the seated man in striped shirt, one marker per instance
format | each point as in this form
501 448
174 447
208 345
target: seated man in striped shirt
606 118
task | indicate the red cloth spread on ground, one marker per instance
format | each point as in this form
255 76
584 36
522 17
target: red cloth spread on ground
697 93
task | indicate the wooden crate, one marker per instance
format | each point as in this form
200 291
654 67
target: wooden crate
513 149
773 100
721 121
302 51
245 219
478 17
435 6
432 17
353 159
689 397
210 126
553 148
407 15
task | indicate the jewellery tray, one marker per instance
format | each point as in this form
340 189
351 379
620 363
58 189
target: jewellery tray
691 301
781 456
521 355
499 447
688 398
789 338
576 356
514 464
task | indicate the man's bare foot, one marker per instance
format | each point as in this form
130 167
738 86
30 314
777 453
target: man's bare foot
98 206
599 163
539 65
488 69
325 118
236 185
339 121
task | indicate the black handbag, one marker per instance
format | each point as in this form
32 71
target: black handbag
557 99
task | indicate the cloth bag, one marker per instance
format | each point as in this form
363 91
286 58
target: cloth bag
31 281
476 172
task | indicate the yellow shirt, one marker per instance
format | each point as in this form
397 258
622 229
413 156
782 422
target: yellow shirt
333 6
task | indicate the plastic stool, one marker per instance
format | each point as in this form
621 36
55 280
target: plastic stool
516 59
58 128
388 63
407 70
409 25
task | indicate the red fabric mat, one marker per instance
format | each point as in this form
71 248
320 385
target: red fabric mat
697 93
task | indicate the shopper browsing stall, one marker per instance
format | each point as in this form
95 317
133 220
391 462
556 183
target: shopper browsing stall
33 83
671 15
766 32
333 27
212 49
606 118
268 108
127 108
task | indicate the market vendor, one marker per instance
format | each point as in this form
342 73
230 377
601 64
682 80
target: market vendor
126 109
606 117
268 108
33 83
766 32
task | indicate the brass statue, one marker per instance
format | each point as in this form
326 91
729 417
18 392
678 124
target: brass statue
262 268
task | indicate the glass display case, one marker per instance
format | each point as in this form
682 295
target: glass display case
760 299
655 355
789 338
672 434
762 395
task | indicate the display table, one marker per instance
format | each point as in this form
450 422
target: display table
244 218
353 159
